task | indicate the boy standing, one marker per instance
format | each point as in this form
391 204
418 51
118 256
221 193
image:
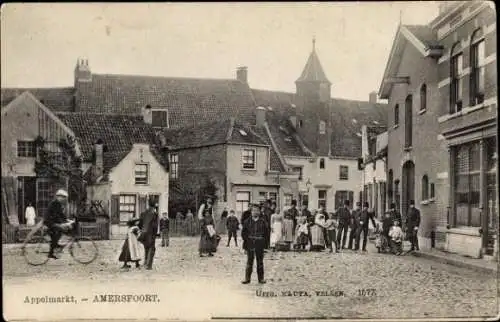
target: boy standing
232 225
164 230
331 226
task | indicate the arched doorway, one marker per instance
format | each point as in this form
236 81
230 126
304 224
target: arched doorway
407 186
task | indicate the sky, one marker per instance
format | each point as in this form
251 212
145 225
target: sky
40 43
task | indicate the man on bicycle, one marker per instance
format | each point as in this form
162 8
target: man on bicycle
56 220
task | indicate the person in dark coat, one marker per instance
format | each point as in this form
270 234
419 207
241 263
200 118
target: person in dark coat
267 212
412 224
246 214
233 225
164 230
354 225
395 214
344 217
54 219
254 234
366 215
207 234
148 223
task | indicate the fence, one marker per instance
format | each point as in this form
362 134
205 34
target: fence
184 227
96 231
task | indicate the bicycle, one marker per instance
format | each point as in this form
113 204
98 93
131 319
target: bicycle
36 247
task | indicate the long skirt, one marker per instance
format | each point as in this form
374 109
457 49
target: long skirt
130 249
277 233
288 230
318 238
207 243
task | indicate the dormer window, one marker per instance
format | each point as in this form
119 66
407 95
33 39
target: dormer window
159 118
322 127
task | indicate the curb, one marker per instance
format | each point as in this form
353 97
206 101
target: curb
457 263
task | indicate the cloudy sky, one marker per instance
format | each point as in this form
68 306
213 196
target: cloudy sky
40 43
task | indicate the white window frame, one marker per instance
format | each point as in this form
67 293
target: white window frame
242 204
287 199
26 149
167 118
139 174
243 156
173 166
346 167
125 207
456 83
325 199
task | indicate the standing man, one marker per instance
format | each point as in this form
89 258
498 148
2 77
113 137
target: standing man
254 234
267 213
344 216
232 228
354 225
293 212
412 224
366 215
148 223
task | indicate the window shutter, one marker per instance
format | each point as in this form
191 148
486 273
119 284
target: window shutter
142 203
115 209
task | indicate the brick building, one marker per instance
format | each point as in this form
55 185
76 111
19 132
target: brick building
440 82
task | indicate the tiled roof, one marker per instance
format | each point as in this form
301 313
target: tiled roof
425 34
58 99
313 72
189 100
283 132
118 132
347 118
275 163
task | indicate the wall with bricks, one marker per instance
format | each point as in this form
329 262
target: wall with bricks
428 154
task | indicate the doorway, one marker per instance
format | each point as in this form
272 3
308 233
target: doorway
408 186
26 195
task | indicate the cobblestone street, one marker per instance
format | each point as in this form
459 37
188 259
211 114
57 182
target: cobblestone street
404 286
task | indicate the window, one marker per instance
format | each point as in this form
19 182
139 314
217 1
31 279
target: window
322 198
467 187
491 185
174 166
456 80
127 208
43 195
423 97
159 118
248 158
242 201
425 187
408 121
477 68
433 191
341 196
141 173
26 149
273 196
262 196
344 172
321 163
397 194
396 115
322 127
288 199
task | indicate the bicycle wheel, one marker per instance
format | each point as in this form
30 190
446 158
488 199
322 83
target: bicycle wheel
83 250
36 251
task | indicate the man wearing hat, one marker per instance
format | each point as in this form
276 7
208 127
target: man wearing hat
412 223
366 215
344 216
254 234
55 220
354 225
148 223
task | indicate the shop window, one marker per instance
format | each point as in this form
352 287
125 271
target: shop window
467 187
425 187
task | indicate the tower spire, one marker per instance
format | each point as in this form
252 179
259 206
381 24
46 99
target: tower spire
314 43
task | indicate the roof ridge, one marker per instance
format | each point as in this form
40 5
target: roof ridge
167 77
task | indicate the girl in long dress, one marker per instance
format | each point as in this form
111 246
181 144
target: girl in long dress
276 229
207 238
302 233
288 228
130 248
317 233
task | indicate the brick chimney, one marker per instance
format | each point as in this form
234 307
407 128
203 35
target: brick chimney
147 114
242 74
373 97
260 116
98 168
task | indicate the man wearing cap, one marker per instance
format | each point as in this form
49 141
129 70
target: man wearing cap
412 223
254 234
344 216
148 223
55 220
354 225
366 215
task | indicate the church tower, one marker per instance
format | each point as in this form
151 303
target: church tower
313 105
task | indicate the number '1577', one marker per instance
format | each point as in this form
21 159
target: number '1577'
367 292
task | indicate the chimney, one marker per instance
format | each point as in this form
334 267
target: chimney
373 97
260 116
242 74
82 71
147 114
99 159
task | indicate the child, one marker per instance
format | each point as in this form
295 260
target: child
302 233
396 235
331 226
164 230
232 225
